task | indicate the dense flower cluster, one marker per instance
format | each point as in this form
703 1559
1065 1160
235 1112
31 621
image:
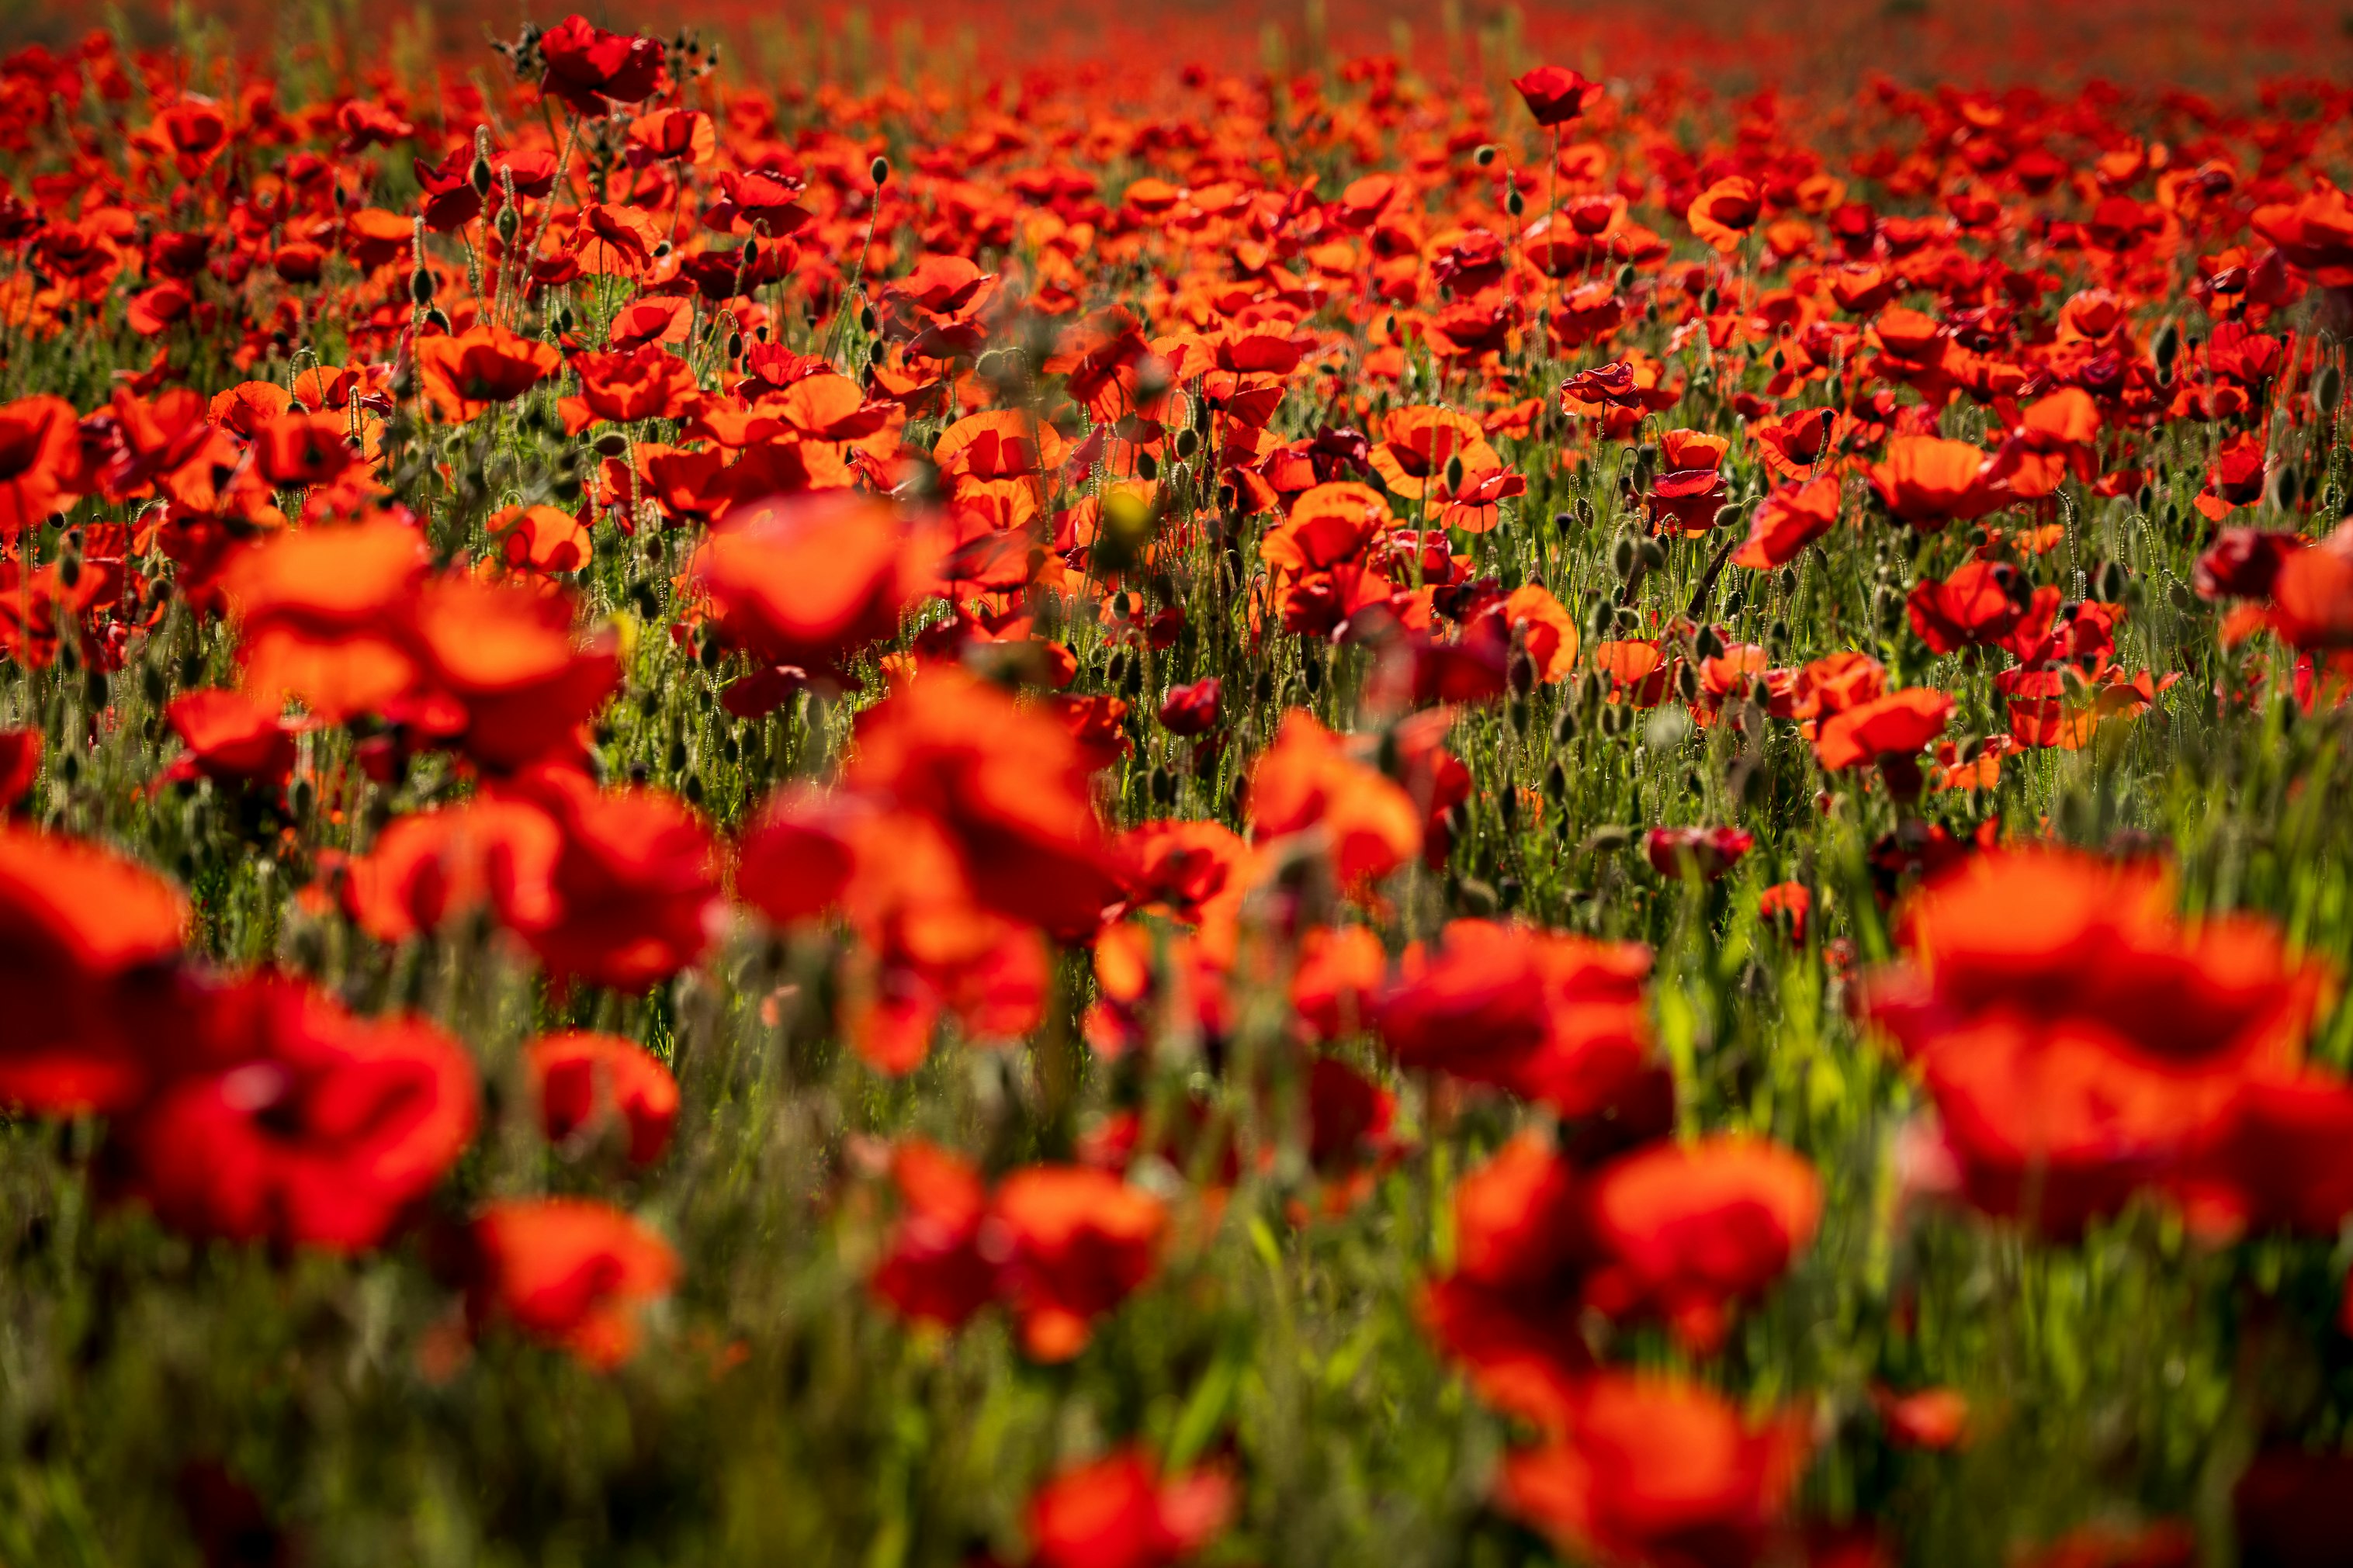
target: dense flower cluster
1555 732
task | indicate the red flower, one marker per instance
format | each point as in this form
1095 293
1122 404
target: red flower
934 1269
20 764
805 583
2079 1041
500 675
1005 786
40 448
2244 563
1980 604
469 374
1117 1512
1724 212
1069 1245
628 893
645 383
297 450
1555 1019
1659 1473
1885 730
1786 523
231 739
84 933
1191 710
570 1272
1306 783
1932 1418
1685 1230
1709 851
1928 482
591 69
2312 594
1555 94
292 1122
584 1079
1788 904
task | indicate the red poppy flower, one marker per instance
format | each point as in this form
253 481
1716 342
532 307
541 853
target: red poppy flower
1069 1244
506 684
2079 1041
1191 710
1708 851
1980 604
1008 788
469 374
1657 1472
20 766
625 894
81 931
231 739
1928 482
645 383
540 538
1787 904
1307 782
1119 1512
1687 1230
591 69
2243 563
1555 94
1787 521
582 1080
1898 725
807 582
2312 594
40 446
1725 212
933 1268
1556 1019
292 1122
570 1272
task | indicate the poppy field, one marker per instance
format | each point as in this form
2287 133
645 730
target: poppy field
1557 789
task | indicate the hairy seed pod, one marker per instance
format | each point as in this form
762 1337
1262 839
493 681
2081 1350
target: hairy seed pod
879 171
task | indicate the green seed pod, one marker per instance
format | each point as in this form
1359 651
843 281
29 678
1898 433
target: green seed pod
879 171
1484 155
2327 389
1623 556
1515 204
